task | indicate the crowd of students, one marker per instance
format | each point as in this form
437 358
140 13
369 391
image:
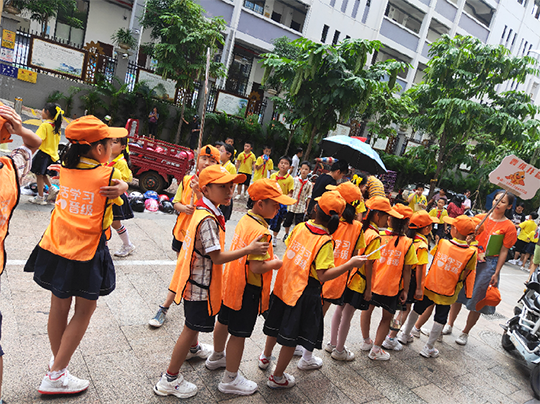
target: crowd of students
354 251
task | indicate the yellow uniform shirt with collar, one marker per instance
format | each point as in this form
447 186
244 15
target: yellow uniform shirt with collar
263 171
286 184
253 278
372 246
447 300
422 255
230 167
416 200
121 165
434 212
528 228
246 165
49 139
108 217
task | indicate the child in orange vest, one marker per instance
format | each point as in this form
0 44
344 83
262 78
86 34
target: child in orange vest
208 156
450 269
358 291
246 287
390 284
198 273
295 315
72 258
420 226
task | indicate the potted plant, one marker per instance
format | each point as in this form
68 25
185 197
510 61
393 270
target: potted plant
124 38
10 7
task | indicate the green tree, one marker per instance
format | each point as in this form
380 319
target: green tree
183 34
459 106
43 10
326 83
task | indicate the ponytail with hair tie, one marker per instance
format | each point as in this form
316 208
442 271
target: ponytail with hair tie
59 111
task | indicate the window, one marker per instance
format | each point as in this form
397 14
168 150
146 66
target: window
324 33
355 9
513 41
276 17
504 32
65 31
524 47
366 11
344 6
508 37
332 3
529 51
347 37
295 25
336 37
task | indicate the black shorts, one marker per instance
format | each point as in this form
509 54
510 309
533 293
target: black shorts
275 223
521 246
40 163
247 181
388 303
124 211
226 210
529 249
290 217
439 231
197 317
176 245
441 311
355 299
242 322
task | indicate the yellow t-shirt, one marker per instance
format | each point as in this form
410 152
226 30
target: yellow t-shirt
411 258
108 218
121 165
528 228
246 163
434 212
286 183
422 254
356 281
49 139
416 201
230 167
263 171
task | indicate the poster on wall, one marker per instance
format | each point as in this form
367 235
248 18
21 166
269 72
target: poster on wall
341 130
152 80
231 104
27 75
8 39
6 55
57 58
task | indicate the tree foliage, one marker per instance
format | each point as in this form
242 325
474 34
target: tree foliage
43 10
325 84
182 34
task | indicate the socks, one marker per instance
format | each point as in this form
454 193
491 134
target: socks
229 377
409 324
171 377
216 355
55 374
307 355
123 234
434 334
277 378
194 348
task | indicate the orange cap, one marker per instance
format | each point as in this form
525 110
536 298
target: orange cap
383 204
465 225
266 188
332 201
217 174
403 210
210 151
421 219
493 298
348 191
477 219
89 129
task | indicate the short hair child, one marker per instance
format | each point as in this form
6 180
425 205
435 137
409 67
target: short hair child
245 164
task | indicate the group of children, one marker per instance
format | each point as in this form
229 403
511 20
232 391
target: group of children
376 259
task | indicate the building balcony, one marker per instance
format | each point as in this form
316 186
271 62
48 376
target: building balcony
399 34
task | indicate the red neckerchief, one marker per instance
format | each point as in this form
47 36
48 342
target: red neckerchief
316 230
303 182
112 163
419 238
373 228
220 218
282 178
390 233
264 162
439 213
246 156
459 244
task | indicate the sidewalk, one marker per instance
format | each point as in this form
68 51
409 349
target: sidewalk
124 358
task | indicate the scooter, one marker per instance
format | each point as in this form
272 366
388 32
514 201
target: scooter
522 332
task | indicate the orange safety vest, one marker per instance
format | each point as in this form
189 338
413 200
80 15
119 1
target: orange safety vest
182 273
293 276
360 274
420 244
345 239
9 198
388 270
235 273
77 219
449 262
182 221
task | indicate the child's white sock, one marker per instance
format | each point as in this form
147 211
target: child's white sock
55 374
217 355
307 355
229 376
376 348
123 234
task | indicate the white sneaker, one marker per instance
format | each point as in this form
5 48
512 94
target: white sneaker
366 346
218 363
329 347
287 382
38 200
274 242
178 387
513 262
299 350
415 332
345 355
462 339
428 352
392 344
405 339
380 355
427 331
240 386
65 384
312 364
125 250
53 191
203 352
263 362
520 263
447 330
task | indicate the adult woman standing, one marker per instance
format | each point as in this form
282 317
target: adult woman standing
153 122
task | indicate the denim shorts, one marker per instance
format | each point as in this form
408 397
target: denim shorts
484 272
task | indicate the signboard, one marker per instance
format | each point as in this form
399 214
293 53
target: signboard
6 55
231 104
27 75
8 70
8 39
152 80
57 58
341 130
516 176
